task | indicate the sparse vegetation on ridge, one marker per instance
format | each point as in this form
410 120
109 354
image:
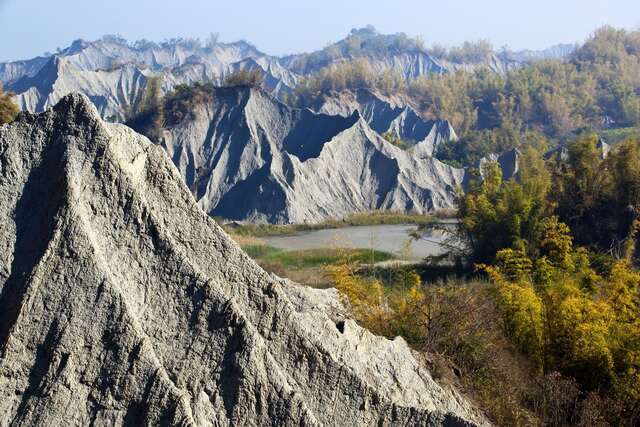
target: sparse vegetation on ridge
155 112
244 78
8 109
368 42
597 88
395 140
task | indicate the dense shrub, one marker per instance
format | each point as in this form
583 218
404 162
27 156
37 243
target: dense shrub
154 112
8 109
147 116
599 198
567 318
181 103
244 78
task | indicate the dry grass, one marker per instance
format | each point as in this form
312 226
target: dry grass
246 239
366 218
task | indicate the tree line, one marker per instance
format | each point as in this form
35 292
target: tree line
596 88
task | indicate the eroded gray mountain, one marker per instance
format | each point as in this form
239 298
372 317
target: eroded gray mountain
247 156
111 72
390 114
112 91
123 303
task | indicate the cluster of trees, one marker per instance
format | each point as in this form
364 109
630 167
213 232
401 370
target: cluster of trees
439 319
147 115
350 75
560 242
243 77
596 88
466 330
8 109
154 112
396 140
598 193
568 318
553 337
595 192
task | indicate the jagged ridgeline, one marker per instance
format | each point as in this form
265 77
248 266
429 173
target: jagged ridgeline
123 303
111 71
114 73
247 156
384 107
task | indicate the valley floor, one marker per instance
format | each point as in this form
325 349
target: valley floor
301 252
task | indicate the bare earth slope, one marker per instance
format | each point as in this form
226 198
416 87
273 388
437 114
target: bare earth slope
248 156
123 303
385 114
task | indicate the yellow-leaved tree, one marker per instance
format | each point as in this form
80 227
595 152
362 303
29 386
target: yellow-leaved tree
568 318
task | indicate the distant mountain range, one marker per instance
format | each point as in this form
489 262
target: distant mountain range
558 51
111 71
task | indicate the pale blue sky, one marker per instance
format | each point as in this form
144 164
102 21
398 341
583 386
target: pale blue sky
30 27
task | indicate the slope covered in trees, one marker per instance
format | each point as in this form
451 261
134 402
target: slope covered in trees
553 319
561 243
596 88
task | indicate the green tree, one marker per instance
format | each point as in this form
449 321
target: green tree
573 321
496 214
598 197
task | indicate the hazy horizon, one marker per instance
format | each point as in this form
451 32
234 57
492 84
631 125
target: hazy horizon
289 27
